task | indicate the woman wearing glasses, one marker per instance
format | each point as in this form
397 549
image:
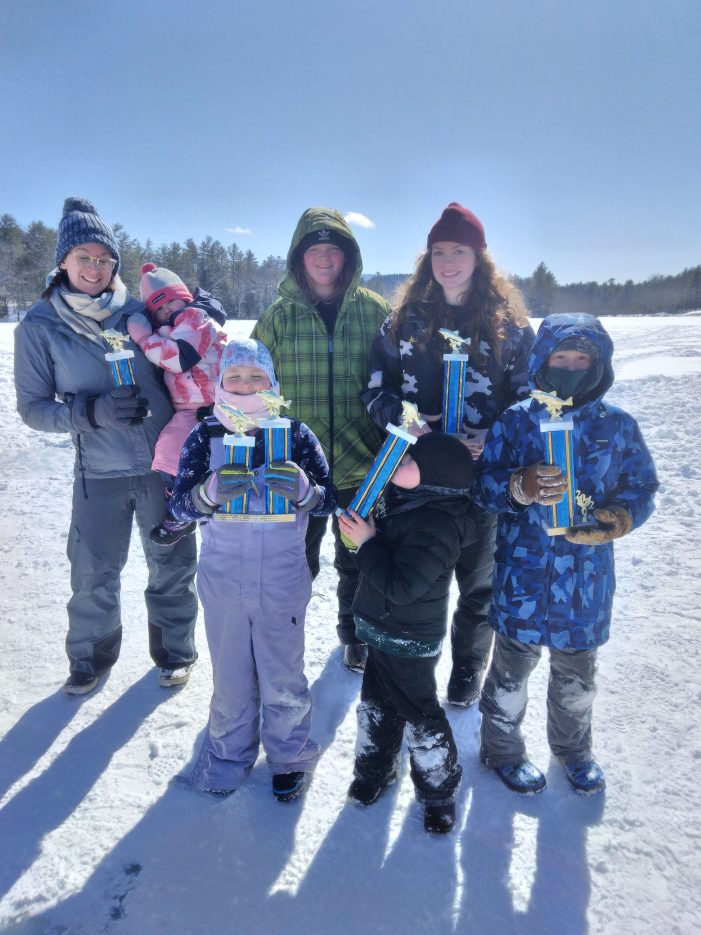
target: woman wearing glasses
64 384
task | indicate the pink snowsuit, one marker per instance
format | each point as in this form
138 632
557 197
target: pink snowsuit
193 336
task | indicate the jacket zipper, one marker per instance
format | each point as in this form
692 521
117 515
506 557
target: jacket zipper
331 433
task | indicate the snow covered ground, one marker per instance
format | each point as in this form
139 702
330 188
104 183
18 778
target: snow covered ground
93 839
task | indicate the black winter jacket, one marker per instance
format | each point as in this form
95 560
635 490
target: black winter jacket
406 568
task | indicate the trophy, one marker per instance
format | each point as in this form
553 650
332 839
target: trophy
574 508
386 462
119 359
238 449
278 447
454 375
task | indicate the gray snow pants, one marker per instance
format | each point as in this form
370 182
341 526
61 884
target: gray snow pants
254 584
571 691
98 546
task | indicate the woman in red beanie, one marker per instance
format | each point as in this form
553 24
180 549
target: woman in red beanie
456 286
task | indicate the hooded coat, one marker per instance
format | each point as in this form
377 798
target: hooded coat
324 375
547 590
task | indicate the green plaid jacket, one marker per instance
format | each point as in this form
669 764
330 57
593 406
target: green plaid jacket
298 342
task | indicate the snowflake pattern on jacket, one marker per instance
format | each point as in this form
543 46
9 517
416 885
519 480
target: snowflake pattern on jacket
411 368
195 466
548 590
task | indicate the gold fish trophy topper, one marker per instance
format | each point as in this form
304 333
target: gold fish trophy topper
115 339
455 340
239 420
585 504
273 402
410 416
552 402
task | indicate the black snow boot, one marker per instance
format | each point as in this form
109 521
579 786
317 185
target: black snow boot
464 684
439 819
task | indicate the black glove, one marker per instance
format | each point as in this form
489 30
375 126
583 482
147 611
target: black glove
228 482
117 409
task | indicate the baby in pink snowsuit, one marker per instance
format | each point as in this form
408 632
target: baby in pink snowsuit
184 340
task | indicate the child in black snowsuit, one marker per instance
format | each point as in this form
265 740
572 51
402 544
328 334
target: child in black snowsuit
401 610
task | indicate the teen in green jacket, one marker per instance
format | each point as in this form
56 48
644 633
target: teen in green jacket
319 333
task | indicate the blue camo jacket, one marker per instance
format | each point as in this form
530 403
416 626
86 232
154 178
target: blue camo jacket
547 590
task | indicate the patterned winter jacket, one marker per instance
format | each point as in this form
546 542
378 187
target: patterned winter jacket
411 368
401 604
188 350
57 371
325 376
548 590
195 466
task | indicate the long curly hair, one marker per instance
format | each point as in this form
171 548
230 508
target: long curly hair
490 301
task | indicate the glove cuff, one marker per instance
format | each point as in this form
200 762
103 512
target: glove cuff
201 502
310 499
516 489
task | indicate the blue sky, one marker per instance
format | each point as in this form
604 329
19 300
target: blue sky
571 130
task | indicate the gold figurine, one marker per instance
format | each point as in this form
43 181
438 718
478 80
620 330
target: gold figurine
585 504
455 340
239 420
273 402
552 402
115 339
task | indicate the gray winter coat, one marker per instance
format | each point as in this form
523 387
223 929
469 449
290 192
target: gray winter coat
57 370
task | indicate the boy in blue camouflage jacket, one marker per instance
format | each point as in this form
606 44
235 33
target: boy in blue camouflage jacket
557 591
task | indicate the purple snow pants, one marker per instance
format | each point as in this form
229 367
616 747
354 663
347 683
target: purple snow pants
254 584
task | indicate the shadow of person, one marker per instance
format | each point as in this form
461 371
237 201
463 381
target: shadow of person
29 739
333 693
523 858
193 863
49 799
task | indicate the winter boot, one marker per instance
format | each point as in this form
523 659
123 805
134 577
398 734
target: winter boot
80 683
288 786
586 777
521 777
439 819
367 791
464 684
355 656
171 678
170 531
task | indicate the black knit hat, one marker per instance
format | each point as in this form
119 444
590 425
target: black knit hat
443 461
82 224
323 236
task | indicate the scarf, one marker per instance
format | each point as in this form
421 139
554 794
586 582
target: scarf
86 314
251 405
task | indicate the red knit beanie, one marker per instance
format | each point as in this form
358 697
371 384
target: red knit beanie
458 225
159 285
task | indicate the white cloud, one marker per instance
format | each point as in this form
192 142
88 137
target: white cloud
360 220
238 230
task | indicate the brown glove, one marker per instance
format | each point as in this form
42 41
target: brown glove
615 522
539 483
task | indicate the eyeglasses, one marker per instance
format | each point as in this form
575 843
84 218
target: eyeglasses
102 263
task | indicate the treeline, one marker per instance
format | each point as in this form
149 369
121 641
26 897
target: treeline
246 286
243 284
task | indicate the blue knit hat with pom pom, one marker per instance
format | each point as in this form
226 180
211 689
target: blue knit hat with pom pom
82 224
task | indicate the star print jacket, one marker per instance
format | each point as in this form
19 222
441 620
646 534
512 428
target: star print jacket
411 368
547 590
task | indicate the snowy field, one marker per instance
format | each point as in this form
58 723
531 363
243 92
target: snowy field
94 839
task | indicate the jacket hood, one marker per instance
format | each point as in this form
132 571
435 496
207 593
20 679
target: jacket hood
312 220
207 303
553 331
